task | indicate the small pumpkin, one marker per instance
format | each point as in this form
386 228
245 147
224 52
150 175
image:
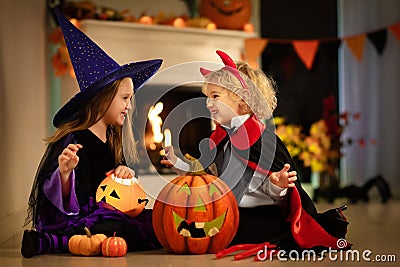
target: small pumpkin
114 246
195 214
227 14
125 195
86 245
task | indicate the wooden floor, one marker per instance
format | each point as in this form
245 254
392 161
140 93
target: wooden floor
374 231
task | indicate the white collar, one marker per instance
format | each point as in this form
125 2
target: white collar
237 121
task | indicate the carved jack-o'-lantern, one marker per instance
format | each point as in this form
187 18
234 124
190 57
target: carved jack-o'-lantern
195 214
227 14
125 195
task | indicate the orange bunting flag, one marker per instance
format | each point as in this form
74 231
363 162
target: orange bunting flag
395 29
356 45
253 47
306 50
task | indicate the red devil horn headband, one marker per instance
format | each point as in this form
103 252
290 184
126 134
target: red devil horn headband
229 66
227 60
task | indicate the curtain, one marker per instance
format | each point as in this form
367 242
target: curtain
370 86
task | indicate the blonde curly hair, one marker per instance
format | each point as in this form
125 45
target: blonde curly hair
260 95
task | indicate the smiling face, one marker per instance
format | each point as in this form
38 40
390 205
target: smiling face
204 225
222 104
195 215
121 104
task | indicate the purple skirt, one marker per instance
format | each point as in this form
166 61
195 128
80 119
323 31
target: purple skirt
137 231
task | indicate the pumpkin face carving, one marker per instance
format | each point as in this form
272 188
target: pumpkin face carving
195 215
125 195
227 14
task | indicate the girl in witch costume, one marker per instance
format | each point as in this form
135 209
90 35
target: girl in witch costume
85 148
251 159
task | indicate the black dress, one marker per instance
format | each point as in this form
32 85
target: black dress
53 215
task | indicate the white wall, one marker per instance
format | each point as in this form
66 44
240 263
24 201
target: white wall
371 86
23 108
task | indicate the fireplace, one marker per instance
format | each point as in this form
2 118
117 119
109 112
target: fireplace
177 85
176 117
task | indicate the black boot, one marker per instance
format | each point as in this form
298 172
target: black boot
30 244
354 193
35 243
364 192
383 188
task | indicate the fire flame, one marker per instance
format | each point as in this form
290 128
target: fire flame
156 121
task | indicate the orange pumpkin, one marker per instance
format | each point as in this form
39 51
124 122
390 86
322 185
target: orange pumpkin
195 214
125 195
227 14
86 245
114 247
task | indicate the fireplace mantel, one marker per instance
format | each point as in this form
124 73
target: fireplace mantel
127 42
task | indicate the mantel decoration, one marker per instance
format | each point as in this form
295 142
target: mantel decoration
80 10
229 14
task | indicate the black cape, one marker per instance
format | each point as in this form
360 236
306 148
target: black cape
263 151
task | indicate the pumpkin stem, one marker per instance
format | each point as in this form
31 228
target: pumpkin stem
114 233
88 233
195 166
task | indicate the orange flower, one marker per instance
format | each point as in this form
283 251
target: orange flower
315 150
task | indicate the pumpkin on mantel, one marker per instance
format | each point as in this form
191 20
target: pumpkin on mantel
125 195
227 14
195 214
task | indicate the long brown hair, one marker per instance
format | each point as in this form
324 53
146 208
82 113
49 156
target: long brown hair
91 113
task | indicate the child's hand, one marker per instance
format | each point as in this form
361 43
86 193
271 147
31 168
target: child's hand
123 172
284 178
170 158
68 159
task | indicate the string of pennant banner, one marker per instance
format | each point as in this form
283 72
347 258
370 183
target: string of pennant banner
307 49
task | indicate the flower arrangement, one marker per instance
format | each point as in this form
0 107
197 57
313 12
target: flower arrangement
320 153
322 146
291 135
314 149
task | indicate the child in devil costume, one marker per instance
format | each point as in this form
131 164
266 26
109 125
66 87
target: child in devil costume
246 153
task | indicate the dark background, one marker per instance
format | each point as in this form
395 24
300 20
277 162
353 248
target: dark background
300 91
